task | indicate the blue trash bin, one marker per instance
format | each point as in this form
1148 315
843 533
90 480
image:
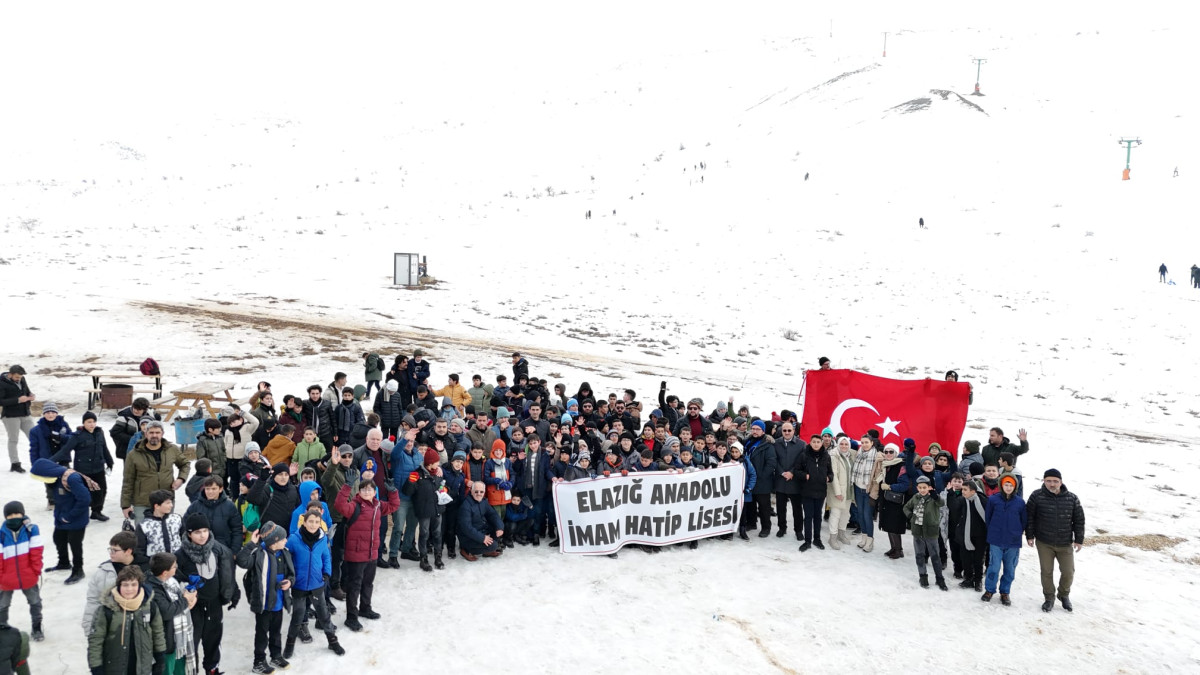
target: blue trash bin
186 432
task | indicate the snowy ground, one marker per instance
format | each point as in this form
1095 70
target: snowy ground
227 199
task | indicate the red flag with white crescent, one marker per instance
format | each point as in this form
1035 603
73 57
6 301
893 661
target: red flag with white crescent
852 402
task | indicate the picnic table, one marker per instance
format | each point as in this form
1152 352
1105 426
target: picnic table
142 384
201 393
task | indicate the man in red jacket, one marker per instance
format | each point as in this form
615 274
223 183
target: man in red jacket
21 565
363 515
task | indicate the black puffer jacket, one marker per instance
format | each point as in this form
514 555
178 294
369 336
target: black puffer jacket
818 467
90 450
1055 519
275 502
391 412
9 393
319 416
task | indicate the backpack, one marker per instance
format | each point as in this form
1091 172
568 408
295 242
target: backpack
150 367
250 518
379 364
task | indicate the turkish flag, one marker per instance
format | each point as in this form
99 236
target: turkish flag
923 410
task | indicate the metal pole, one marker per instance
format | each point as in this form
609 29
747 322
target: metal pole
885 44
978 70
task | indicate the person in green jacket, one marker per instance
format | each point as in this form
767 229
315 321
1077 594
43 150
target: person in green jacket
309 452
372 370
924 513
14 650
127 634
481 395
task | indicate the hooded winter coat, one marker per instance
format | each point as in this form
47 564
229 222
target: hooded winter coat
308 454
73 503
306 490
422 487
362 537
991 453
319 416
459 398
167 608
332 481
220 586
279 450
476 520
126 427
120 639
760 453
157 535
147 471
90 452
224 517
346 416
481 398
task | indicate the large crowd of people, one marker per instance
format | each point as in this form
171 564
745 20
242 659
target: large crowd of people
313 493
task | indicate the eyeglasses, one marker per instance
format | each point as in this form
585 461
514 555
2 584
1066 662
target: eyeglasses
788 431
115 549
889 452
692 407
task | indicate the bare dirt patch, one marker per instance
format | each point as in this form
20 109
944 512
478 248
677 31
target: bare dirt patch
1142 542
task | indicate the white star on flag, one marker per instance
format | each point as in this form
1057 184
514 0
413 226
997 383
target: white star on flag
889 428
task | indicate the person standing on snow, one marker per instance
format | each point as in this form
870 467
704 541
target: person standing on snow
15 398
1055 523
1162 273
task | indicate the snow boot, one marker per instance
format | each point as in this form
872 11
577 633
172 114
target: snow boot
16 468
368 614
392 562
76 577
843 537
452 555
941 583
409 555
862 541
425 566
535 540
1005 600
37 633
834 542
553 543
742 534
924 581
987 597
765 532
966 584
289 647
437 561
978 585
870 545
1066 603
352 623
334 645
305 636
1048 604
60 567
693 545
817 543
467 556
337 593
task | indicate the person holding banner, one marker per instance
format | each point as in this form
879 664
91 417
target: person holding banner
736 455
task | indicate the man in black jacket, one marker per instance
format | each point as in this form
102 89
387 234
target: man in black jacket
761 452
520 367
1055 522
275 498
15 400
787 484
318 415
814 470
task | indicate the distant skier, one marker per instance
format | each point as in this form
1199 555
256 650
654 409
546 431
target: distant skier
921 222
806 175
1195 277
1176 175
1162 273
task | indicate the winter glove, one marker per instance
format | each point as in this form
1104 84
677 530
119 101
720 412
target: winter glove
389 485
505 485
606 474
237 595
624 472
662 385
98 670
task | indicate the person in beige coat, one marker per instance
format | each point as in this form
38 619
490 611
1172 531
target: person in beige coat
839 494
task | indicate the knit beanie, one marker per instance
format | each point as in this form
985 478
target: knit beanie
758 424
196 521
1050 473
89 415
393 386
271 534
278 469
971 447
502 412
253 447
432 457
49 406
13 507
910 444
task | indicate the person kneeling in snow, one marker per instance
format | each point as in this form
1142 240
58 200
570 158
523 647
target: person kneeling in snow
479 526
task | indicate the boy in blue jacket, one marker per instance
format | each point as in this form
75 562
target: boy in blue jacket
516 520
72 502
268 585
1006 520
309 547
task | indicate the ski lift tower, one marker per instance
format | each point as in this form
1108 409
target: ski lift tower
1128 143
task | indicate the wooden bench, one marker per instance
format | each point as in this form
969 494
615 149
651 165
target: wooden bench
142 384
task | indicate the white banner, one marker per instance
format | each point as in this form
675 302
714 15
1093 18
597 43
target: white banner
599 516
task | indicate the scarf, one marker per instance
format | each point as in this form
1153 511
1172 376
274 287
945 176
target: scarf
185 647
202 556
237 432
918 514
976 503
127 605
387 395
309 538
501 474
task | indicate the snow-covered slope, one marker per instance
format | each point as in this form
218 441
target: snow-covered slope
161 194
